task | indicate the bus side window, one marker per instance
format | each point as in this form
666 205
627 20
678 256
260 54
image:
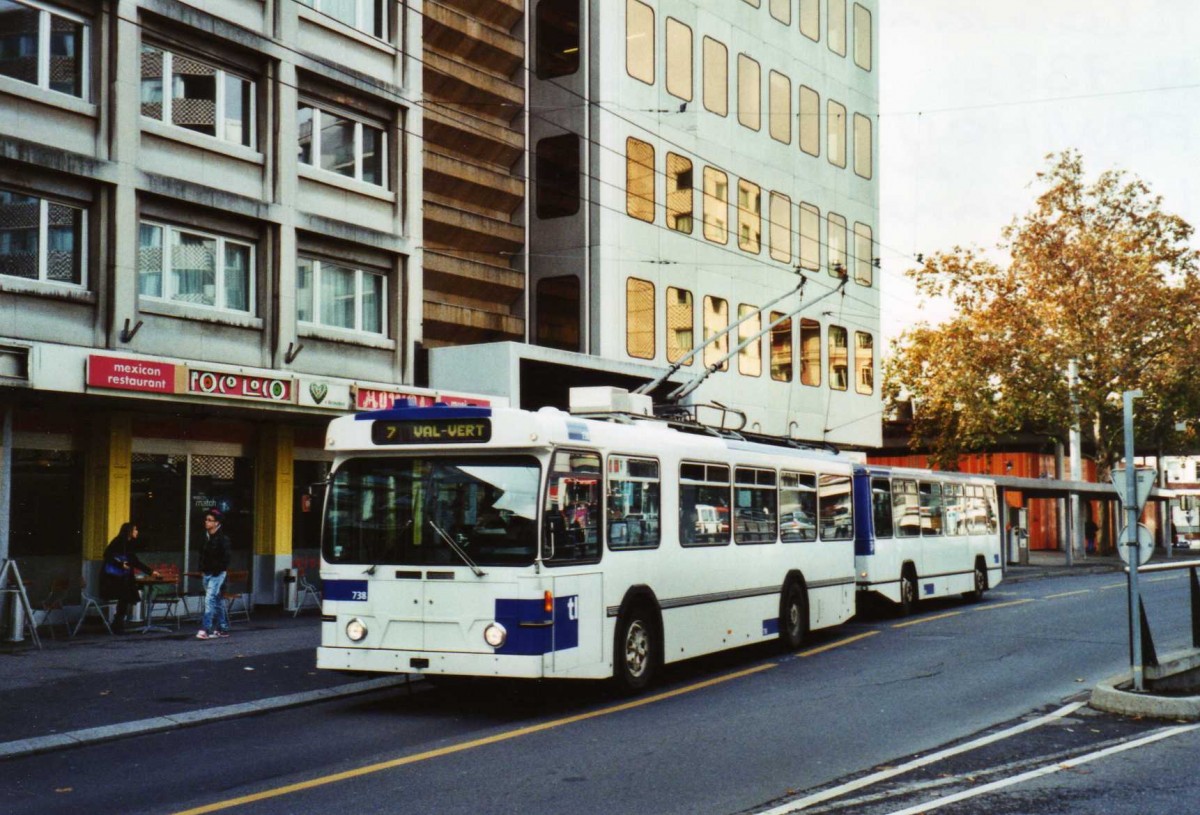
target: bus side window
633 503
571 517
881 507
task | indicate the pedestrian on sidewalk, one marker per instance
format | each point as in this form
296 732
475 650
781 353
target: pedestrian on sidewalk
214 563
1089 535
119 572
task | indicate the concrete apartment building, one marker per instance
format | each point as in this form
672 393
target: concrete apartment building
224 223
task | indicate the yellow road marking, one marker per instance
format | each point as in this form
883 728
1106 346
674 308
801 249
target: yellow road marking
369 769
991 606
1066 594
927 619
822 649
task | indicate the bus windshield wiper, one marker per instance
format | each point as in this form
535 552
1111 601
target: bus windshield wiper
458 550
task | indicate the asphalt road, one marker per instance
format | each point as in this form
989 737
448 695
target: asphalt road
751 731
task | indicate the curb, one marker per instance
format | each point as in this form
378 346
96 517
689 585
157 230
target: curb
1108 696
156 724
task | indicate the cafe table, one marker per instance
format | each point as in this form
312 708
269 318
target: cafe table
151 584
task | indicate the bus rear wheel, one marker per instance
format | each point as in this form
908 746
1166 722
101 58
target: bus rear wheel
793 617
635 652
908 593
976 594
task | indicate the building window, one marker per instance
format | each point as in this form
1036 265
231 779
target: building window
839 374
810 352
716 77
679 193
716 205
862 37
781 227
716 320
836 30
862 146
749 95
781 347
679 59
342 145
639 179
810 19
197 268
45 46
639 318
810 121
810 237
779 105
864 255
750 357
836 225
864 363
639 41
749 217
680 324
557 171
199 97
557 38
42 240
835 136
329 294
369 16
781 10
558 312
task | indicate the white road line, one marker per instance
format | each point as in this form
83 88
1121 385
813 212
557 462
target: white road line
1044 771
883 775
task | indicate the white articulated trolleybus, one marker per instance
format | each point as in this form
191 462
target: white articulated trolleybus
501 542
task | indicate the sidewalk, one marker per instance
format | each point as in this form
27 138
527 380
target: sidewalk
1054 564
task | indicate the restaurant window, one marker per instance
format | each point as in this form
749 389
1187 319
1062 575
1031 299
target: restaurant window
863 163
810 121
639 179
716 77
368 16
810 352
836 27
835 136
716 205
634 501
716 320
810 237
46 534
341 144
749 217
810 19
781 10
703 504
680 324
46 47
797 507
42 240
557 38
197 268
639 41
557 182
679 193
779 105
836 226
864 254
639 318
781 347
862 37
749 93
194 95
750 355
558 312
864 363
679 59
839 374
338 296
754 504
781 227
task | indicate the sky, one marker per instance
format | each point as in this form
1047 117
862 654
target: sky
974 94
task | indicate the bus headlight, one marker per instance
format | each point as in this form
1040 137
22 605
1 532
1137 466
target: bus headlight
495 635
356 630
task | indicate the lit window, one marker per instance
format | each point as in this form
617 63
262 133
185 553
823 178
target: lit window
810 121
781 227
862 37
749 217
679 193
41 239
556 167
716 320
781 10
639 179
864 363
197 268
557 38
680 324
862 146
45 46
639 318
839 374
810 352
369 16
342 145
716 205
810 19
836 134
779 105
864 255
810 237
781 347
836 29
639 41
749 102
837 245
716 77
329 294
679 59
750 357
197 96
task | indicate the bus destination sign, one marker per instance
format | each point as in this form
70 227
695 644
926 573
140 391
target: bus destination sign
432 431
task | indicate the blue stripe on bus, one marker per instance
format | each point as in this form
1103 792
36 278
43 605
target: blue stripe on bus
354 590
542 633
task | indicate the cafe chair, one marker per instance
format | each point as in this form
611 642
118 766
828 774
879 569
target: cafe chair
166 597
101 608
237 603
306 591
53 610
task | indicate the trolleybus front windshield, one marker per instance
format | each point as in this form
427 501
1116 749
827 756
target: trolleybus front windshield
385 511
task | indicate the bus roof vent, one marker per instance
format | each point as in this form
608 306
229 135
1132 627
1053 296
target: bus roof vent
605 399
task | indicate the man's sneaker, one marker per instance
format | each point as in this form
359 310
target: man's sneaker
203 635
221 634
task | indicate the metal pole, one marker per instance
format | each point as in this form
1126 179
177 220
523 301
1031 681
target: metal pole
6 476
1131 541
1076 453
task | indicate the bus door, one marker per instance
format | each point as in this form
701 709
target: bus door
578 621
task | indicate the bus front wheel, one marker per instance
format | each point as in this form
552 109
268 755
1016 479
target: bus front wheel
635 653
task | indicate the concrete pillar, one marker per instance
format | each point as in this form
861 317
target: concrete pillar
107 486
273 511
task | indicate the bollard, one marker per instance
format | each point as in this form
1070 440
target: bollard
14 624
291 588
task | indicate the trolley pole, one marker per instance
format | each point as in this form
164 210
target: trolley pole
1131 541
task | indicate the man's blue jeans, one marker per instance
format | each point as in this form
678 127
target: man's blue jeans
212 601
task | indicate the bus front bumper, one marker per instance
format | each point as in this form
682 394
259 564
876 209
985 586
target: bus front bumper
393 661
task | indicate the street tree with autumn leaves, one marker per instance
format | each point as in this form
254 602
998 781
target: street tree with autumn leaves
1098 273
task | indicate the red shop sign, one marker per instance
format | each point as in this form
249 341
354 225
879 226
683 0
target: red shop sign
240 386
130 374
